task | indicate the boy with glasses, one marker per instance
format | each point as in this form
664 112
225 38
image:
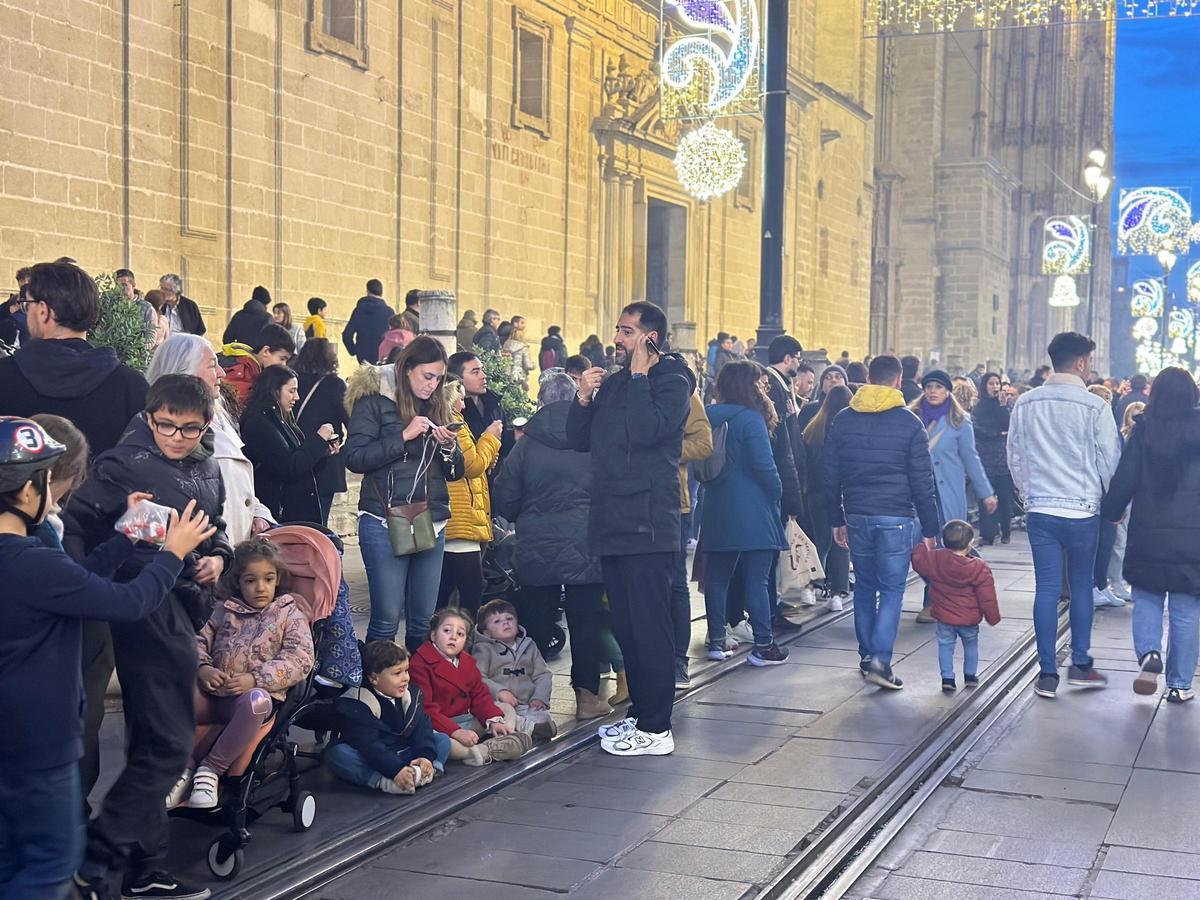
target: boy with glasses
166 452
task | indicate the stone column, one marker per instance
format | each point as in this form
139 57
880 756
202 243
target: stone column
439 317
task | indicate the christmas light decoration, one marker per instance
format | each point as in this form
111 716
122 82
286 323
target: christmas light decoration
709 161
1064 293
949 15
1194 233
1181 329
712 58
1151 358
1147 298
1152 218
1145 328
1068 246
1193 283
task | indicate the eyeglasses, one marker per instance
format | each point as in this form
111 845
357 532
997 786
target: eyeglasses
170 429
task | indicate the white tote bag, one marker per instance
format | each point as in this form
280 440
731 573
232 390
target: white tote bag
799 565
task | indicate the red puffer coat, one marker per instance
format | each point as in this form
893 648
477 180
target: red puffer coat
961 588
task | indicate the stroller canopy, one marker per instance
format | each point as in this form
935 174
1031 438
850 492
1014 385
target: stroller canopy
314 564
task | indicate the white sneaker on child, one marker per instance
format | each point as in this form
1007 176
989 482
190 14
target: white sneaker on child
180 790
204 789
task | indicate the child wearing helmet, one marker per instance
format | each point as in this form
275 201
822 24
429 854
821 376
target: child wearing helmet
40 797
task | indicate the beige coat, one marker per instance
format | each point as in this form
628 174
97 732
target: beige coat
241 506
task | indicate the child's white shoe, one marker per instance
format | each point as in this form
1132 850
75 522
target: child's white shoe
204 789
182 786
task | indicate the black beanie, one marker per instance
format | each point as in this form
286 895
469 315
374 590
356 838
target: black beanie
938 377
262 295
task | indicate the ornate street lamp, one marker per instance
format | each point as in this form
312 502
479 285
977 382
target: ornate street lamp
1167 259
1098 184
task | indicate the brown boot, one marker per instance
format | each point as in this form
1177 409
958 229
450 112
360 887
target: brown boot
621 694
509 746
589 706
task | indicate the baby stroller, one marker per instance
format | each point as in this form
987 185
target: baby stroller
254 783
500 582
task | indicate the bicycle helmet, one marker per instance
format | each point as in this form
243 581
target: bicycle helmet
26 454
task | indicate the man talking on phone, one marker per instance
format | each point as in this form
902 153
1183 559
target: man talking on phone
632 423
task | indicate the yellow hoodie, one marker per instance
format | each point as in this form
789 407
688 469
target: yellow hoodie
876 398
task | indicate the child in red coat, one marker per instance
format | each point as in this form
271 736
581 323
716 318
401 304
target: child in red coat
962 593
457 701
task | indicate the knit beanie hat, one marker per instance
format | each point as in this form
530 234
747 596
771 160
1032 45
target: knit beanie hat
937 376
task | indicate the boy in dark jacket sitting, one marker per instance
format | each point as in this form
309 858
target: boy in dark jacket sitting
387 741
167 453
962 593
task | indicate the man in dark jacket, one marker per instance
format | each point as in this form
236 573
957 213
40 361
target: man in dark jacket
1139 392
182 313
553 351
632 422
487 337
367 324
248 322
909 386
880 476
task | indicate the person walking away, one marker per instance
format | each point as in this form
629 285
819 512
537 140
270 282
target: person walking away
1102 594
395 339
835 560
367 324
990 420
879 476
399 443
248 322
314 325
282 315
553 352
487 338
1063 449
1158 482
1117 583
522 362
593 350
632 423
465 333
742 527
909 386
545 490
964 594
322 398
952 448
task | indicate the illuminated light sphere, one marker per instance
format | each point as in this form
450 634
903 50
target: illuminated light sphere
1193 283
1064 293
1068 246
709 162
1145 328
1152 218
1147 298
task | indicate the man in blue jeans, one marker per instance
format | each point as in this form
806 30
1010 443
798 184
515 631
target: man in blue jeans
880 481
1063 449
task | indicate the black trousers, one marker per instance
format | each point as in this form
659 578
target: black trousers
639 596
156 662
97 670
463 571
585 620
1000 521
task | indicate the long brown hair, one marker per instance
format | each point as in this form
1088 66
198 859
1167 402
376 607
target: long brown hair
421 351
739 382
835 401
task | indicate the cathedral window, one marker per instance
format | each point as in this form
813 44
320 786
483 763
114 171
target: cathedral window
531 75
339 27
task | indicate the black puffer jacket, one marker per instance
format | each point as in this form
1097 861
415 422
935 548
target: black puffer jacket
375 448
247 324
545 487
990 420
634 430
285 464
1162 552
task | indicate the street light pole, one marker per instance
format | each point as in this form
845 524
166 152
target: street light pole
770 291
1098 183
1166 259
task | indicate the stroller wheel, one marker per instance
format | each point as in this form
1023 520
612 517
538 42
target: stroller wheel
556 643
304 811
223 862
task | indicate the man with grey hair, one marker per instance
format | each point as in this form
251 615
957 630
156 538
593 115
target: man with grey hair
488 337
182 313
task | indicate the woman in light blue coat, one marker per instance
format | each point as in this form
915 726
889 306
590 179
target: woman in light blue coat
952 447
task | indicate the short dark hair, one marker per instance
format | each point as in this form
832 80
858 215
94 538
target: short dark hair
68 291
261 294
577 363
69 470
24 272
910 365
375 286
180 394
458 361
495 607
315 305
722 337
275 337
554 331
1139 383
805 367
412 298
782 346
379 656
650 316
1068 346
957 535
124 273
884 370
318 356
264 393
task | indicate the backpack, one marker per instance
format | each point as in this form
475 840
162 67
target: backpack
709 470
241 368
549 359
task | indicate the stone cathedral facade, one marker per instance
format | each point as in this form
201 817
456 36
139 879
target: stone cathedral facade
980 137
508 150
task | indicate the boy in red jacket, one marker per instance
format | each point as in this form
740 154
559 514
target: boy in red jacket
962 592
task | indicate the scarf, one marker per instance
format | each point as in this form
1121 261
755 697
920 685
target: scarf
931 415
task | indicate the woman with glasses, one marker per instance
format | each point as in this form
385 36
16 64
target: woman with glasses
284 459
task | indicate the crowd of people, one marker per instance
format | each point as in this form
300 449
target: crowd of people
603 492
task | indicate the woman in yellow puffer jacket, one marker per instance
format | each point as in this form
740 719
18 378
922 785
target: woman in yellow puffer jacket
470 527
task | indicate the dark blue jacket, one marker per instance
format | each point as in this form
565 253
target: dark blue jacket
41 685
246 324
741 506
386 734
365 329
877 461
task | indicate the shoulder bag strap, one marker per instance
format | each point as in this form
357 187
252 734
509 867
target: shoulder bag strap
309 396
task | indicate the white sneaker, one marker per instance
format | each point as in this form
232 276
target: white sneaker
718 655
1120 590
742 633
618 730
837 602
641 743
204 789
808 597
1113 599
180 790
1105 598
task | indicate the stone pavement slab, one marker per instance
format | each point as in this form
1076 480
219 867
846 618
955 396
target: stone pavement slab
1160 811
1044 786
1001 873
646 885
726 865
1124 886
1017 849
900 887
1153 862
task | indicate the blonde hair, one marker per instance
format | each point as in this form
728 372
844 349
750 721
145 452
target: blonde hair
1131 410
957 414
966 394
1101 391
453 391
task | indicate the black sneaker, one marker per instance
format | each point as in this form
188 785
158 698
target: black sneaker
948 686
1146 683
1047 685
1088 678
91 888
864 666
1179 695
162 886
682 682
882 675
781 624
970 680
772 655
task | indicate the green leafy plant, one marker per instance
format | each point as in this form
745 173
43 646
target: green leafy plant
514 398
121 325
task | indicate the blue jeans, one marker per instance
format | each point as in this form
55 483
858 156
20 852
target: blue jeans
41 831
400 585
881 548
348 764
681 596
947 637
1053 539
754 567
1184 647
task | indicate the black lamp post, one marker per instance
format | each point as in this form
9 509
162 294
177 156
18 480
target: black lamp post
770 298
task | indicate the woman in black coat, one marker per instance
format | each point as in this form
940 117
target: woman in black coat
990 419
322 399
834 559
1160 474
284 459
